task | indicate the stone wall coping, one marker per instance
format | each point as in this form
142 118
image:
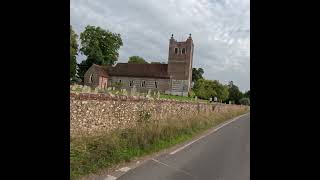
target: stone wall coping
108 97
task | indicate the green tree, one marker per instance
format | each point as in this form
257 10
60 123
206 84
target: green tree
206 89
223 92
100 46
234 93
244 101
197 74
137 60
247 94
73 53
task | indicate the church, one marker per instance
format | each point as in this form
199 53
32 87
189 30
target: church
173 78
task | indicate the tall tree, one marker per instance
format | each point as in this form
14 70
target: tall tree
234 93
247 94
100 46
137 60
206 89
223 92
73 53
197 74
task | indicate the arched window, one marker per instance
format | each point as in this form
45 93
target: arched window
156 84
183 50
176 50
143 83
91 78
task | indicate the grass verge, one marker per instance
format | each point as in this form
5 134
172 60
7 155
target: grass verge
90 154
180 98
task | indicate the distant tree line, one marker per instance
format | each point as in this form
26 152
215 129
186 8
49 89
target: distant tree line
206 89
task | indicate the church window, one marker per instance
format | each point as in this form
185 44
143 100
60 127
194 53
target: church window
91 78
183 50
143 83
176 50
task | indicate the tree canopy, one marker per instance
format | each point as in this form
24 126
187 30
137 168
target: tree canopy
234 93
197 74
244 101
100 46
137 60
247 94
206 89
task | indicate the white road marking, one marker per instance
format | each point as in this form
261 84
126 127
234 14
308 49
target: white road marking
124 169
172 167
110 178
216 129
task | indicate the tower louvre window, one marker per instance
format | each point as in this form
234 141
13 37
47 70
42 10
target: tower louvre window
176 50
183 50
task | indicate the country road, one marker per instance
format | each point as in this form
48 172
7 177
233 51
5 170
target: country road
222 155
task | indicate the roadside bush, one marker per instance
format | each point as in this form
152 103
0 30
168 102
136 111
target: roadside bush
244 101
191 94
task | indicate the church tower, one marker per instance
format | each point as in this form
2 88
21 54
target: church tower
180 65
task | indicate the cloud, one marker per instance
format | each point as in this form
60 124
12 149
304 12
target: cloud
220 30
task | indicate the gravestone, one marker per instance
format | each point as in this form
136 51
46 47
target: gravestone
133 91
96 90
124 92
85 89
149 93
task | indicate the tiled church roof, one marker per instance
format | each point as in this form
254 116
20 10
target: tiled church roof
135 70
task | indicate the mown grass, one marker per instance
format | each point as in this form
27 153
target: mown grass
90 154
180 98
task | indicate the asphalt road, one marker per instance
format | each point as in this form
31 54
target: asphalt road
222 155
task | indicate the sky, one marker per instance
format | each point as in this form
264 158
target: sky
220 31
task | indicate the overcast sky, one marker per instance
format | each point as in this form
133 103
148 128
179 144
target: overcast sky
220 31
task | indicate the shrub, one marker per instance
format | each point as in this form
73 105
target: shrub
117 85
245 101
191 94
